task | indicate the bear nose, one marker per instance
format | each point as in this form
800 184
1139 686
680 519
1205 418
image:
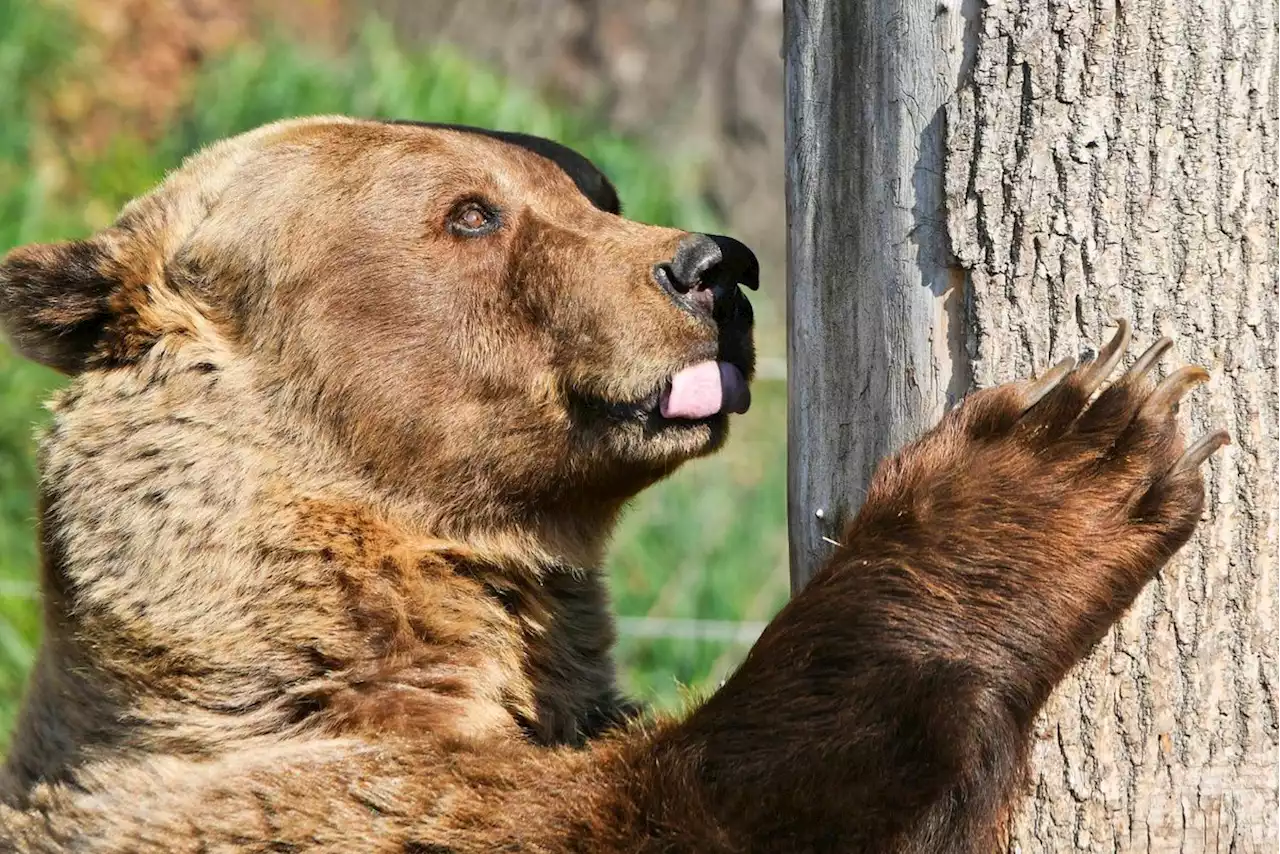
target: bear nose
709 266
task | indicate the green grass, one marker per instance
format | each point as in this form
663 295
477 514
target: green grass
29 47
708 543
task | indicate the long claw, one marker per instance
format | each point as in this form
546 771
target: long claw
1093 374
1173 387
1038 388
1205 447
1148 360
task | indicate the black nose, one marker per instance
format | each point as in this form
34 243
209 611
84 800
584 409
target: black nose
709 262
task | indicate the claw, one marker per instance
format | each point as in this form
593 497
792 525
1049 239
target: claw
1173 387
1093 374
1038 388
1148 360
1205 447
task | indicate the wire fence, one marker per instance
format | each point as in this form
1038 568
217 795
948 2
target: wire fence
725 631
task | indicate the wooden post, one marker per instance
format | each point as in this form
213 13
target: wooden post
875 342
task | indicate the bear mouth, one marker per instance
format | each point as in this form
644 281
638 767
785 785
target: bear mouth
705 392
705 389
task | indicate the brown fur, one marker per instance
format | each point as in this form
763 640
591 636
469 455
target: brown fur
324 507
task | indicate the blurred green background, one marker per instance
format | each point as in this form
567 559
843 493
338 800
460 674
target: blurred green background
75 143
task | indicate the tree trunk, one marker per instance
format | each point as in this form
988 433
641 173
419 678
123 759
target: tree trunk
1099 160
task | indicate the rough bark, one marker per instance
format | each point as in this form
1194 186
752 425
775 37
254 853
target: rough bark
1119 159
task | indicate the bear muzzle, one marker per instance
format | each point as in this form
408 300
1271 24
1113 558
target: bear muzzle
706 271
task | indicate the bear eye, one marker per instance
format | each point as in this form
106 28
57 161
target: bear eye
472 219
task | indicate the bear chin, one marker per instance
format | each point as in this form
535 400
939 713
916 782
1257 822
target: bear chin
640 434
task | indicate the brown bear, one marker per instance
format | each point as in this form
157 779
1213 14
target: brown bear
354 407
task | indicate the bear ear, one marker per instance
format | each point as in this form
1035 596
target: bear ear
592 182
55 300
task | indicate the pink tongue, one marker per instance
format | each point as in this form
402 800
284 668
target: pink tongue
704 389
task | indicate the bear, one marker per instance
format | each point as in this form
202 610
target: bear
353 408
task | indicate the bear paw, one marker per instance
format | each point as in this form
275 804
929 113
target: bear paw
1043 496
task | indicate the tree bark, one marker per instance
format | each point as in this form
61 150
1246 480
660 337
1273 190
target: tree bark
1097 159
1119 159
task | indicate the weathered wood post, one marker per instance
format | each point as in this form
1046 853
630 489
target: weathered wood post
875 343
975 188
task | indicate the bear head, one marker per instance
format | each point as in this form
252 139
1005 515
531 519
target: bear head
463 315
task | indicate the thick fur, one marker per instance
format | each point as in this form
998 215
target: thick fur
324 506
